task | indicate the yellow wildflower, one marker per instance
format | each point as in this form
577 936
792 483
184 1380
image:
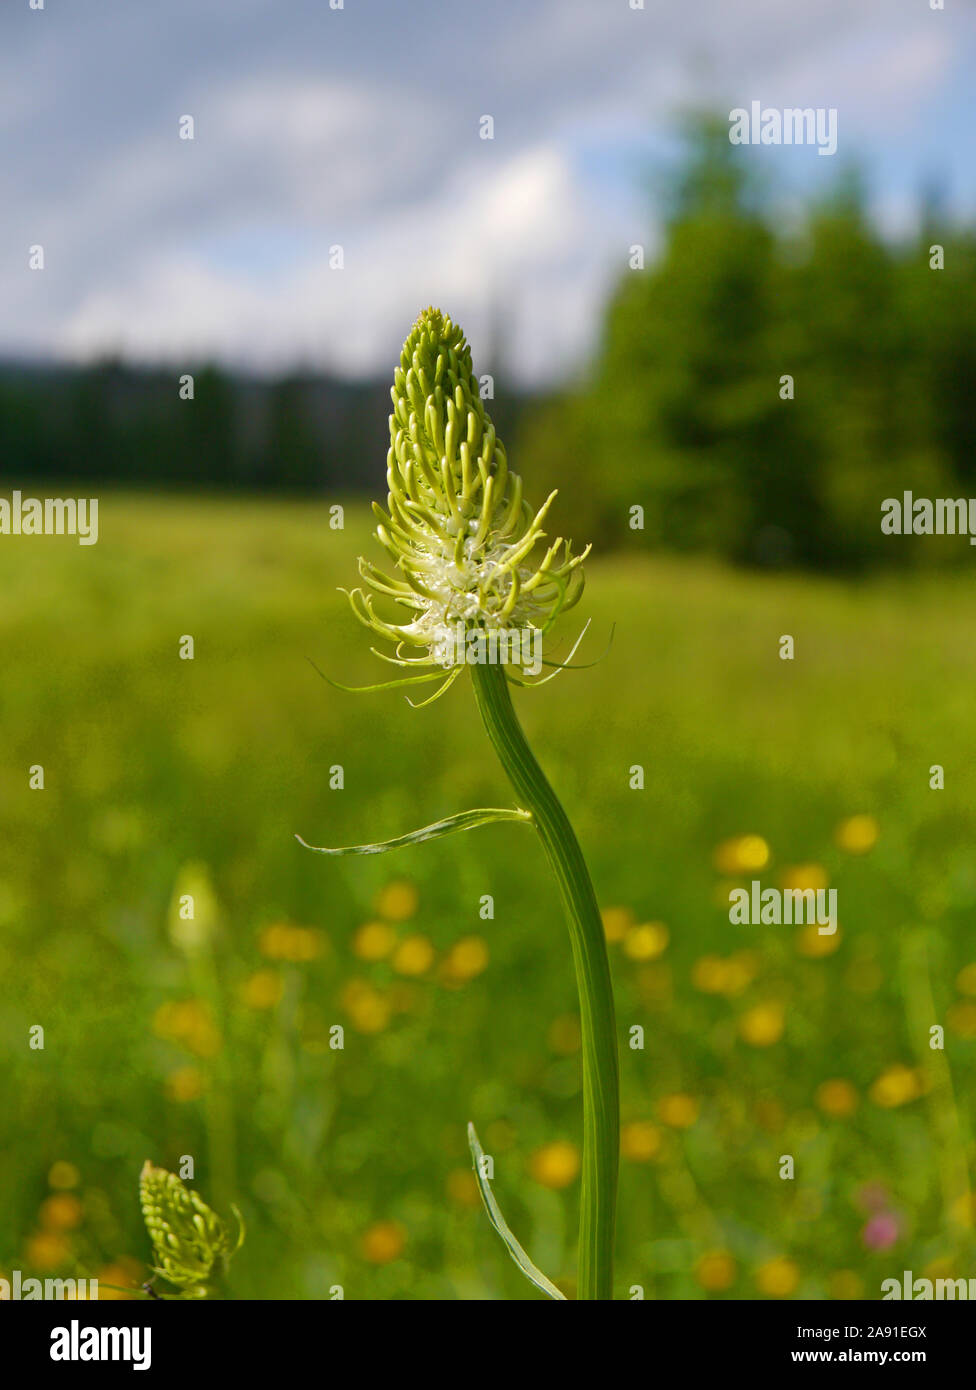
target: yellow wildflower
680 1111
803 876
398 900
413 956
298 945
185 1084
556 1164
961 1018
778 1278
616 922
645 942
811 943
462 1187
190 1023
374 941
745 854
47 1250
837 1098
763 1025
715 1271
857 834
368 1009
466 959
262 990
896 1086
62 1212
383 1242
845 1284
640 1141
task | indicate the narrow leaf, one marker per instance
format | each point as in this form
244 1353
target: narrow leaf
464 820
382 685
582 665
535 1276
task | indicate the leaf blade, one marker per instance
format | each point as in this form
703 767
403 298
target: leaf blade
464 820
534 1275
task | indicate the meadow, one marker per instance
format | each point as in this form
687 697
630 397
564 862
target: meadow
165 777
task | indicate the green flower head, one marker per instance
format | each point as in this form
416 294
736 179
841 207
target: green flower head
463 541
191 1245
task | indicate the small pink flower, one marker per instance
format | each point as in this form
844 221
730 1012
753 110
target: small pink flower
881 1232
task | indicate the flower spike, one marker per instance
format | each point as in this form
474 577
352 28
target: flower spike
457 528
191 1244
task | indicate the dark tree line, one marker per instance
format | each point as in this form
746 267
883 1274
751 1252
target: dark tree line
113 423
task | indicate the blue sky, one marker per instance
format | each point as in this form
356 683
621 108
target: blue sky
359 127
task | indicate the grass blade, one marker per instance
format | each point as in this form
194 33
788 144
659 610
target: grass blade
535 1276
464 820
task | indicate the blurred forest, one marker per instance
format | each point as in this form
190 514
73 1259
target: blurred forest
682 412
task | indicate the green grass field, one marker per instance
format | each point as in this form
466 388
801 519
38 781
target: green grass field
351 1166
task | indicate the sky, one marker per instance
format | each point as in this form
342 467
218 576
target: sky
360 127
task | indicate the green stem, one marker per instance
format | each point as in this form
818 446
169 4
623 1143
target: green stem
601 1087
218 1106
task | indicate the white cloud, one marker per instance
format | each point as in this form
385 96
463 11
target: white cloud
877 80
360 127
473 245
